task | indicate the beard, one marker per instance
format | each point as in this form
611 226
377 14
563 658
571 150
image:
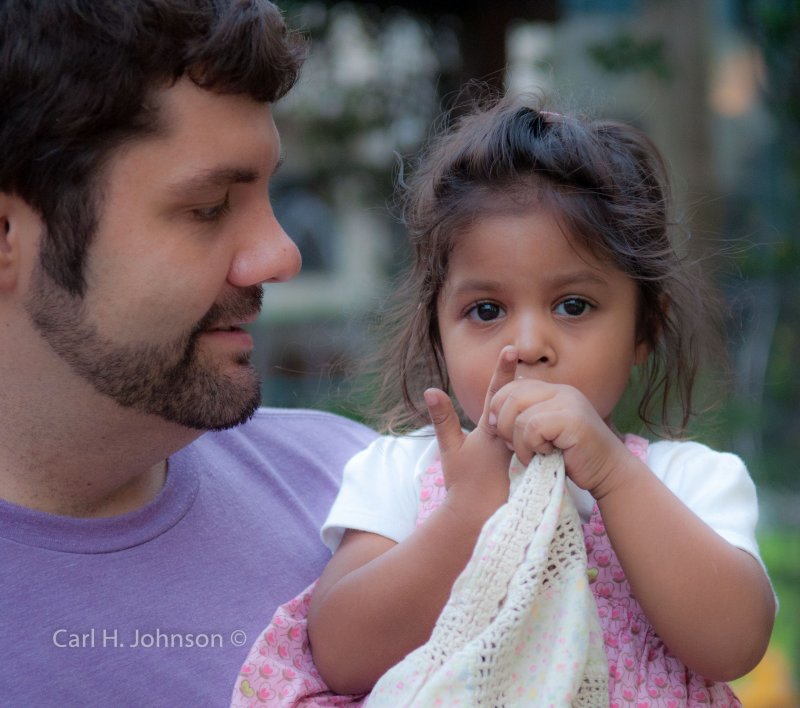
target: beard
174 380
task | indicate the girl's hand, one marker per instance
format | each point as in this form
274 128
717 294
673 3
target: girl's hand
378 600
476 464
535 417
684 574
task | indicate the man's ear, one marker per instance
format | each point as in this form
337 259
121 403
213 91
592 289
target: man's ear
9 248
18 224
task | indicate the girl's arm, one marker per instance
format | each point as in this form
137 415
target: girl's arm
377 600
709 601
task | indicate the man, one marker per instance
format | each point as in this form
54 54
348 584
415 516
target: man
140 553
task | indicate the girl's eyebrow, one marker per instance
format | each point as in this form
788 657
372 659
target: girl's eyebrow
581 277
558 280
473 285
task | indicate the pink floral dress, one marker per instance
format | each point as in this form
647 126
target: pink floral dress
643 673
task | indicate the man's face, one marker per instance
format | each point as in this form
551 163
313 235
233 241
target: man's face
186 236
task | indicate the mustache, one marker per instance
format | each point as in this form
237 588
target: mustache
239 305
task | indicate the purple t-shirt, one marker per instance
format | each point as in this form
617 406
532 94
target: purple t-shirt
160 606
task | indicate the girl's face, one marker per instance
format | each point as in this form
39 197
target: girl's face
517 279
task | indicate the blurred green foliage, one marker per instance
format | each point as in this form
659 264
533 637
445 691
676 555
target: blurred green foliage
775 26
627 52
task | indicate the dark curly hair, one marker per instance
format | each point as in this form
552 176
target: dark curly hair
76 83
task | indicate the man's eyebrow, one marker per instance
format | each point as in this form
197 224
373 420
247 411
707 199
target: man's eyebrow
212 179
219 177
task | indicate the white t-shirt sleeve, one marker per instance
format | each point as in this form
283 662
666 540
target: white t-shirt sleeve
380 488
714 485
381 485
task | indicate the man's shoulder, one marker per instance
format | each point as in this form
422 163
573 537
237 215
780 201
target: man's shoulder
304 416
293 428
277 421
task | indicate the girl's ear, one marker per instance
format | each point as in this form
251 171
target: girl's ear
650 331
646 339
642 351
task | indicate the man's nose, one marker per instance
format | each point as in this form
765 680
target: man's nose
266 255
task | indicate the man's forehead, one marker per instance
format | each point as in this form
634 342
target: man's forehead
209 139
175 103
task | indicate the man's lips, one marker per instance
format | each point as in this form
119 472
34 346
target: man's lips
230 332
229 338
231 328
236 326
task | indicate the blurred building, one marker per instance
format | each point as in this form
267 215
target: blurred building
380 73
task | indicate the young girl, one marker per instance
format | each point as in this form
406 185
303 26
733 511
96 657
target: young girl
545 273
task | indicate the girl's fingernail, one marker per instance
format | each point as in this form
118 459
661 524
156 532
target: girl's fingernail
492 419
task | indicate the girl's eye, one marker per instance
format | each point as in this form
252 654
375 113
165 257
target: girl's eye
485 311
213 212
573 307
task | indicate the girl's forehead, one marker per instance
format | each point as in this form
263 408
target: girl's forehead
531 197
485 226
534 237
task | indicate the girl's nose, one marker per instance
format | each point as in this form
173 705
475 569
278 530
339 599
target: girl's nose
534 342
267 254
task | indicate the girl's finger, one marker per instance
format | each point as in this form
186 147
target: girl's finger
503 374
445 421
528 437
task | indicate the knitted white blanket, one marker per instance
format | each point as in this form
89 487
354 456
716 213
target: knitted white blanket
521 626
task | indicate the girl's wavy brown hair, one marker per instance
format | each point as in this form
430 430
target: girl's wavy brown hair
607 184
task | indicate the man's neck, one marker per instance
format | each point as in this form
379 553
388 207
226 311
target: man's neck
67 449
94 461
80 498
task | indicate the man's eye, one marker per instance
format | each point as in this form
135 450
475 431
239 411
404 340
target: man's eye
573 307
213 212
485 311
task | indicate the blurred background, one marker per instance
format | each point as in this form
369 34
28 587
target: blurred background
716 84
